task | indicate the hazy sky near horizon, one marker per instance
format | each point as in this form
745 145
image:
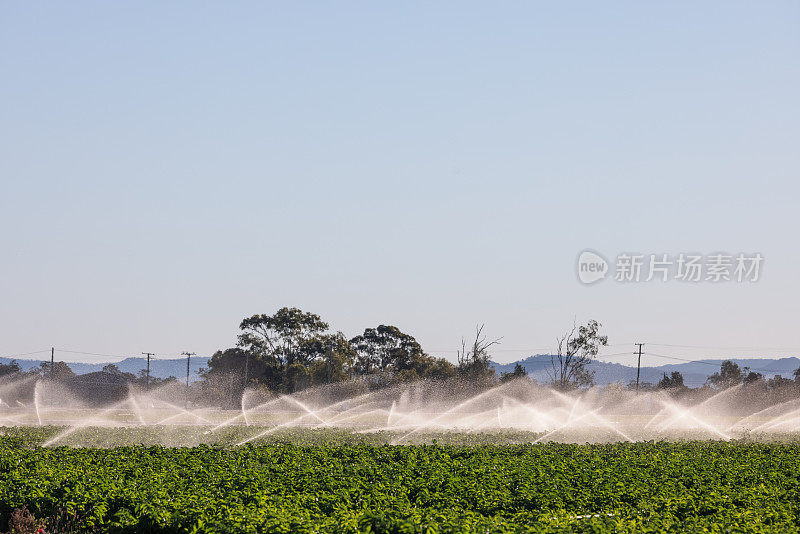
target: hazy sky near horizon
167 169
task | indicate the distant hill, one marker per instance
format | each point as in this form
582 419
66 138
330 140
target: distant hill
694 373
158 368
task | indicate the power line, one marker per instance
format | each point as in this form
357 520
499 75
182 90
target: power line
539 351
708 347
682 359
716 365
12 356
536 350
614 354
156 356
547 350
497 350
93 353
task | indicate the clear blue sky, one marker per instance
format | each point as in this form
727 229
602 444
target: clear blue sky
168 168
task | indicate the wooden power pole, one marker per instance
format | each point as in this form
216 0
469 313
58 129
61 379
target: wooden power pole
147 379
188 358
638 364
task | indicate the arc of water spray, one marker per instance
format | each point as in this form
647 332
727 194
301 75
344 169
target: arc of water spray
293 421
244 414
565 425
791 419
306 408
36 401
663 399
273 429
686 412
594 414
136 409
83 424
678 412
391 413
467 402
355 416
761 412
181 411
539 415
342 416
274 401
780 421
176 415
489 417
344 401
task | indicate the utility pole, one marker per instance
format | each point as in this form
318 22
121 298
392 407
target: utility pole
52 361
638 364
147 380
188 358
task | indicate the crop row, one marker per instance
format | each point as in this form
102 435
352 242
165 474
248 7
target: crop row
687 487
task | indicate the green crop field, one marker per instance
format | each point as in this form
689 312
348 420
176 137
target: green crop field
365 487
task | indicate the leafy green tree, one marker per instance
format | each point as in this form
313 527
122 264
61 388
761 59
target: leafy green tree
779 382
751 377
423 366
276 341
141 379
673 381
297 377
227 374
729 375
385 348
330 357
61 371
10 368
280 335
439 369
113 369
576 350
518 372
390 355
232 360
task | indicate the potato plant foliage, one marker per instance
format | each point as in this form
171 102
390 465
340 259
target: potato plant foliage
285 487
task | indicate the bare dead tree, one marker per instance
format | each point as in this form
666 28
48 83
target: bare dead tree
474 361
576 350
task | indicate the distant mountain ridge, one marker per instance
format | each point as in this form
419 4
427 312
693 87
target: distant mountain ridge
694 373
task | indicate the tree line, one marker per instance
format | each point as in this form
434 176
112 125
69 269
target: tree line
728 376
291 350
